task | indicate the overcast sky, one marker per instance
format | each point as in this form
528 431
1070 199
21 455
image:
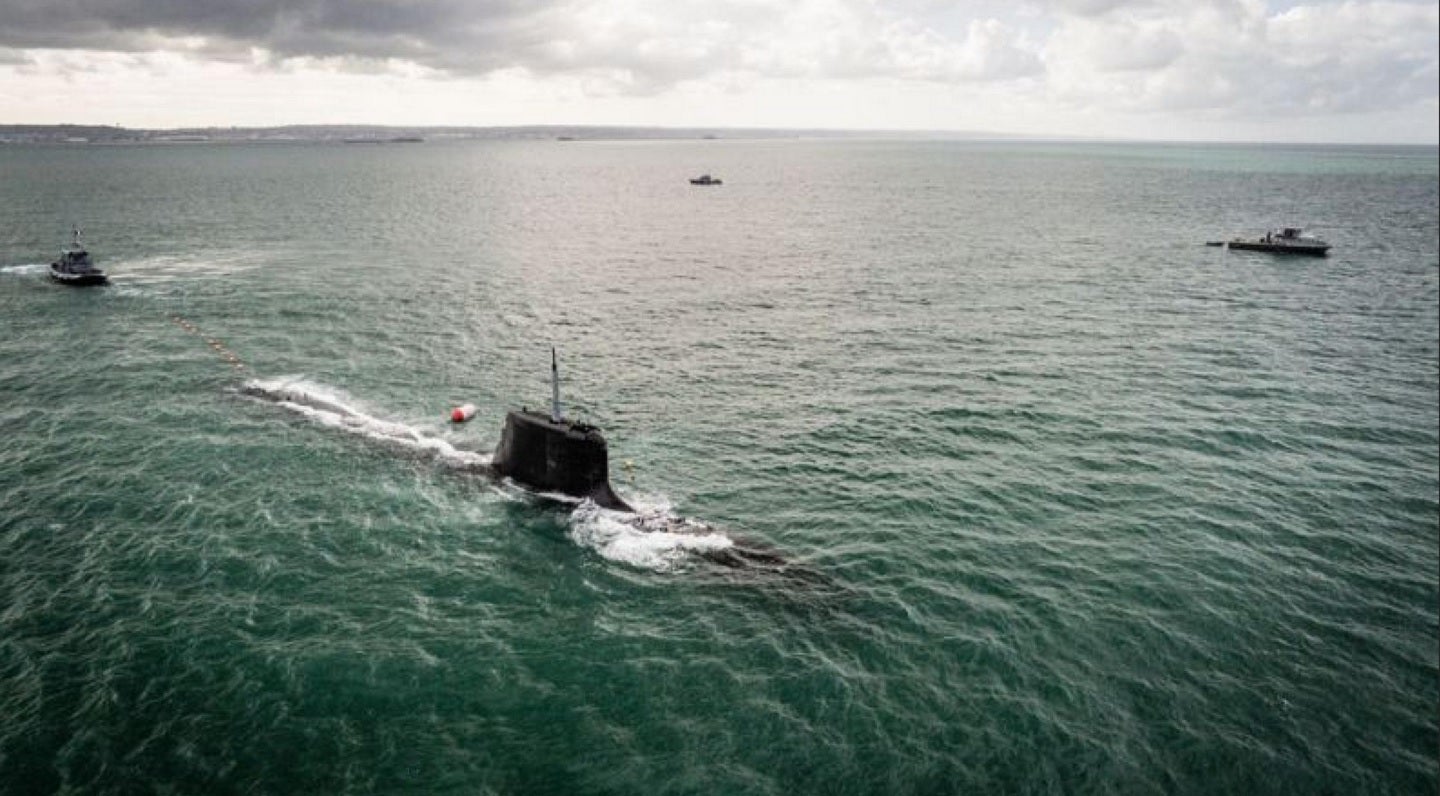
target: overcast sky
1306 70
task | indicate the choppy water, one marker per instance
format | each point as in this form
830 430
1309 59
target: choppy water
1070 502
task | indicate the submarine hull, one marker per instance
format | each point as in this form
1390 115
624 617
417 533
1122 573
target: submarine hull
550 456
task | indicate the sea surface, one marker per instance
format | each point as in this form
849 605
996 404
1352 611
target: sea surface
1064 500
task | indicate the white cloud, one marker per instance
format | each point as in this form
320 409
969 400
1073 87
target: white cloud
1241 60
655 44
991 50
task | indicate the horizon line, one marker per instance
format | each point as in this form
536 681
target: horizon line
690 128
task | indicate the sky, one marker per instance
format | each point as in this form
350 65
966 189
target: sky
1361 71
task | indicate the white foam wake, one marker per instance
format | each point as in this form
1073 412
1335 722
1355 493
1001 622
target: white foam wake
331 407
653 537
192 266
24 269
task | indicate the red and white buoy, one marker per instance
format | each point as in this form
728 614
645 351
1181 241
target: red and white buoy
460 414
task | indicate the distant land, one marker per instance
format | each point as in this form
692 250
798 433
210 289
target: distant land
382 134
362 134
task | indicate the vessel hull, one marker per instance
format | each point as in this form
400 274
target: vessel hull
79 280
1277 248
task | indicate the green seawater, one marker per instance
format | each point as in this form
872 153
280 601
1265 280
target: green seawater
1071 503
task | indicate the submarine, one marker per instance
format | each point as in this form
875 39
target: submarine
543 453
549 453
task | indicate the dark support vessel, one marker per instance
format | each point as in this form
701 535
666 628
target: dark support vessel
74 266
1287 240
552 454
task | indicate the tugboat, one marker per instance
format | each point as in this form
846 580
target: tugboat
705 179
1287 240
74 266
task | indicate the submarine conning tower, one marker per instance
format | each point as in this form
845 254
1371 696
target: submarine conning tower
552 454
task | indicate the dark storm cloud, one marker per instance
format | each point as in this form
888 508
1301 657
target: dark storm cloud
421 30
456 36
644 46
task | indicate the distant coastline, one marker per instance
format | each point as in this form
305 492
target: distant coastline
81 134
108 134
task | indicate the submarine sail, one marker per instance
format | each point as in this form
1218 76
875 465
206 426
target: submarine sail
552 454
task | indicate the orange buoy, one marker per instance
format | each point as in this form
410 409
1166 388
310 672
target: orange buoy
462 413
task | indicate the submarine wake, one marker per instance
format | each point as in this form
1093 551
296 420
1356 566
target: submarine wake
331 407
656 538
652 537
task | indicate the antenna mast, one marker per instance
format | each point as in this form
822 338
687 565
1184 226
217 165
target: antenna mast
555 414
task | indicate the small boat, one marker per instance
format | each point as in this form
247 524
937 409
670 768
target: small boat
399 139
705 179
74 266
1287 240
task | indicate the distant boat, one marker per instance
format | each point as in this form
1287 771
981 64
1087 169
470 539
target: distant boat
399 139
74 266
705 179
1287 240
